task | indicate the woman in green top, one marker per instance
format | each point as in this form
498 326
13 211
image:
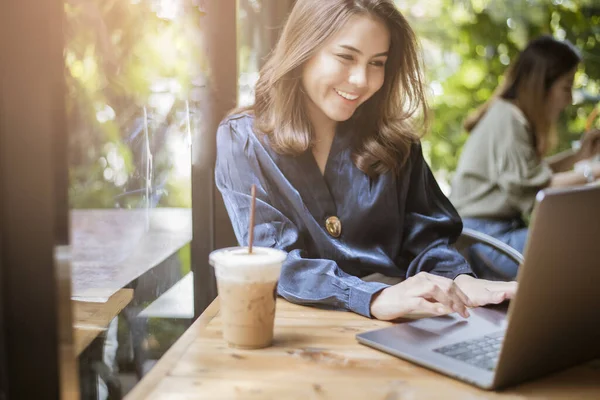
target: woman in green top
502 166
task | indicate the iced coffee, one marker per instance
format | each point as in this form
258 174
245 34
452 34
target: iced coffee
247 285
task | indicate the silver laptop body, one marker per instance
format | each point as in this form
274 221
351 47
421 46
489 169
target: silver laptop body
553 323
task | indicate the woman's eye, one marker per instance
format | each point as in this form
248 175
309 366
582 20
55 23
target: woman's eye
346 57
378 63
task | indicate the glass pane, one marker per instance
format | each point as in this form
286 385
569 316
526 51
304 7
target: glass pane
253 45
133 72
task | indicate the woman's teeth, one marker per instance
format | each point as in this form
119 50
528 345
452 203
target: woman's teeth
347 96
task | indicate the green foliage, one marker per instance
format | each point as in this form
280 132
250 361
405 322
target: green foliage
185 259
130 68
469 43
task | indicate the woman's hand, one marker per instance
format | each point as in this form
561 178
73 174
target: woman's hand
590 145
421 295
482 292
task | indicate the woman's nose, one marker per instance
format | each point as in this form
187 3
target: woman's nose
358 77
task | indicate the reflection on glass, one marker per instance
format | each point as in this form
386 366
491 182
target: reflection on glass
133 72
250 48
259 26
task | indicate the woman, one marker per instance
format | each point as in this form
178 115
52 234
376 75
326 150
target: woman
341 181
502 168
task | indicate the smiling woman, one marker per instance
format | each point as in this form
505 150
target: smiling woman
340 77
333 149
327 35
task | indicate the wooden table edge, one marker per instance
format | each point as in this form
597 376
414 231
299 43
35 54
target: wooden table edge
146 386
122 298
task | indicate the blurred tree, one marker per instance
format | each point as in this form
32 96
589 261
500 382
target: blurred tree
131 67
468 44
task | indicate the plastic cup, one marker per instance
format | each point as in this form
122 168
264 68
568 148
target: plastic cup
247 285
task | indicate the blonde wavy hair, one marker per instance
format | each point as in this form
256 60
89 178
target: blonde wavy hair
527 83
386 123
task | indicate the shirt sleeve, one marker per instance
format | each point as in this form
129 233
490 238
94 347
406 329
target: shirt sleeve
432 225
521 173
303 280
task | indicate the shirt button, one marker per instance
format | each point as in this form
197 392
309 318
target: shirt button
333 226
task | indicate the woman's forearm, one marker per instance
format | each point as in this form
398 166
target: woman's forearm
563 161
574 178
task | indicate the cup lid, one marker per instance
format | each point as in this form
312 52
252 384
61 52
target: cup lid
239 256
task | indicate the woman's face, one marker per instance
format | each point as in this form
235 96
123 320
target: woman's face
346 71
560 95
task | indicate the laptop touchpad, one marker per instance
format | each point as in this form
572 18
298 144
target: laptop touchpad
481 321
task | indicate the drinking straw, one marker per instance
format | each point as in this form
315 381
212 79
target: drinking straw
251 227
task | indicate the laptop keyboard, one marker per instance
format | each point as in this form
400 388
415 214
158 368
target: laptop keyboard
481 352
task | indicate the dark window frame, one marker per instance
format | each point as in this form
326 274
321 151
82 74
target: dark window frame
33 201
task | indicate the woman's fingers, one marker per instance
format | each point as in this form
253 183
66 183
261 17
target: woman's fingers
450 287
454 288
428 295
496 297
448 298
424 307
462 295
509 288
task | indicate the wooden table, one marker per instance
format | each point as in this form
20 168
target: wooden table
316 356
113 247
92 319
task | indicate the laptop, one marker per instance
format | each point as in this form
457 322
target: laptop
553 322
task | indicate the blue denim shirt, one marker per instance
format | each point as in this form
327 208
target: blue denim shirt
394 225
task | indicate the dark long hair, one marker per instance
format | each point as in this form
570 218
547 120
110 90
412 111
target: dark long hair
527 83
